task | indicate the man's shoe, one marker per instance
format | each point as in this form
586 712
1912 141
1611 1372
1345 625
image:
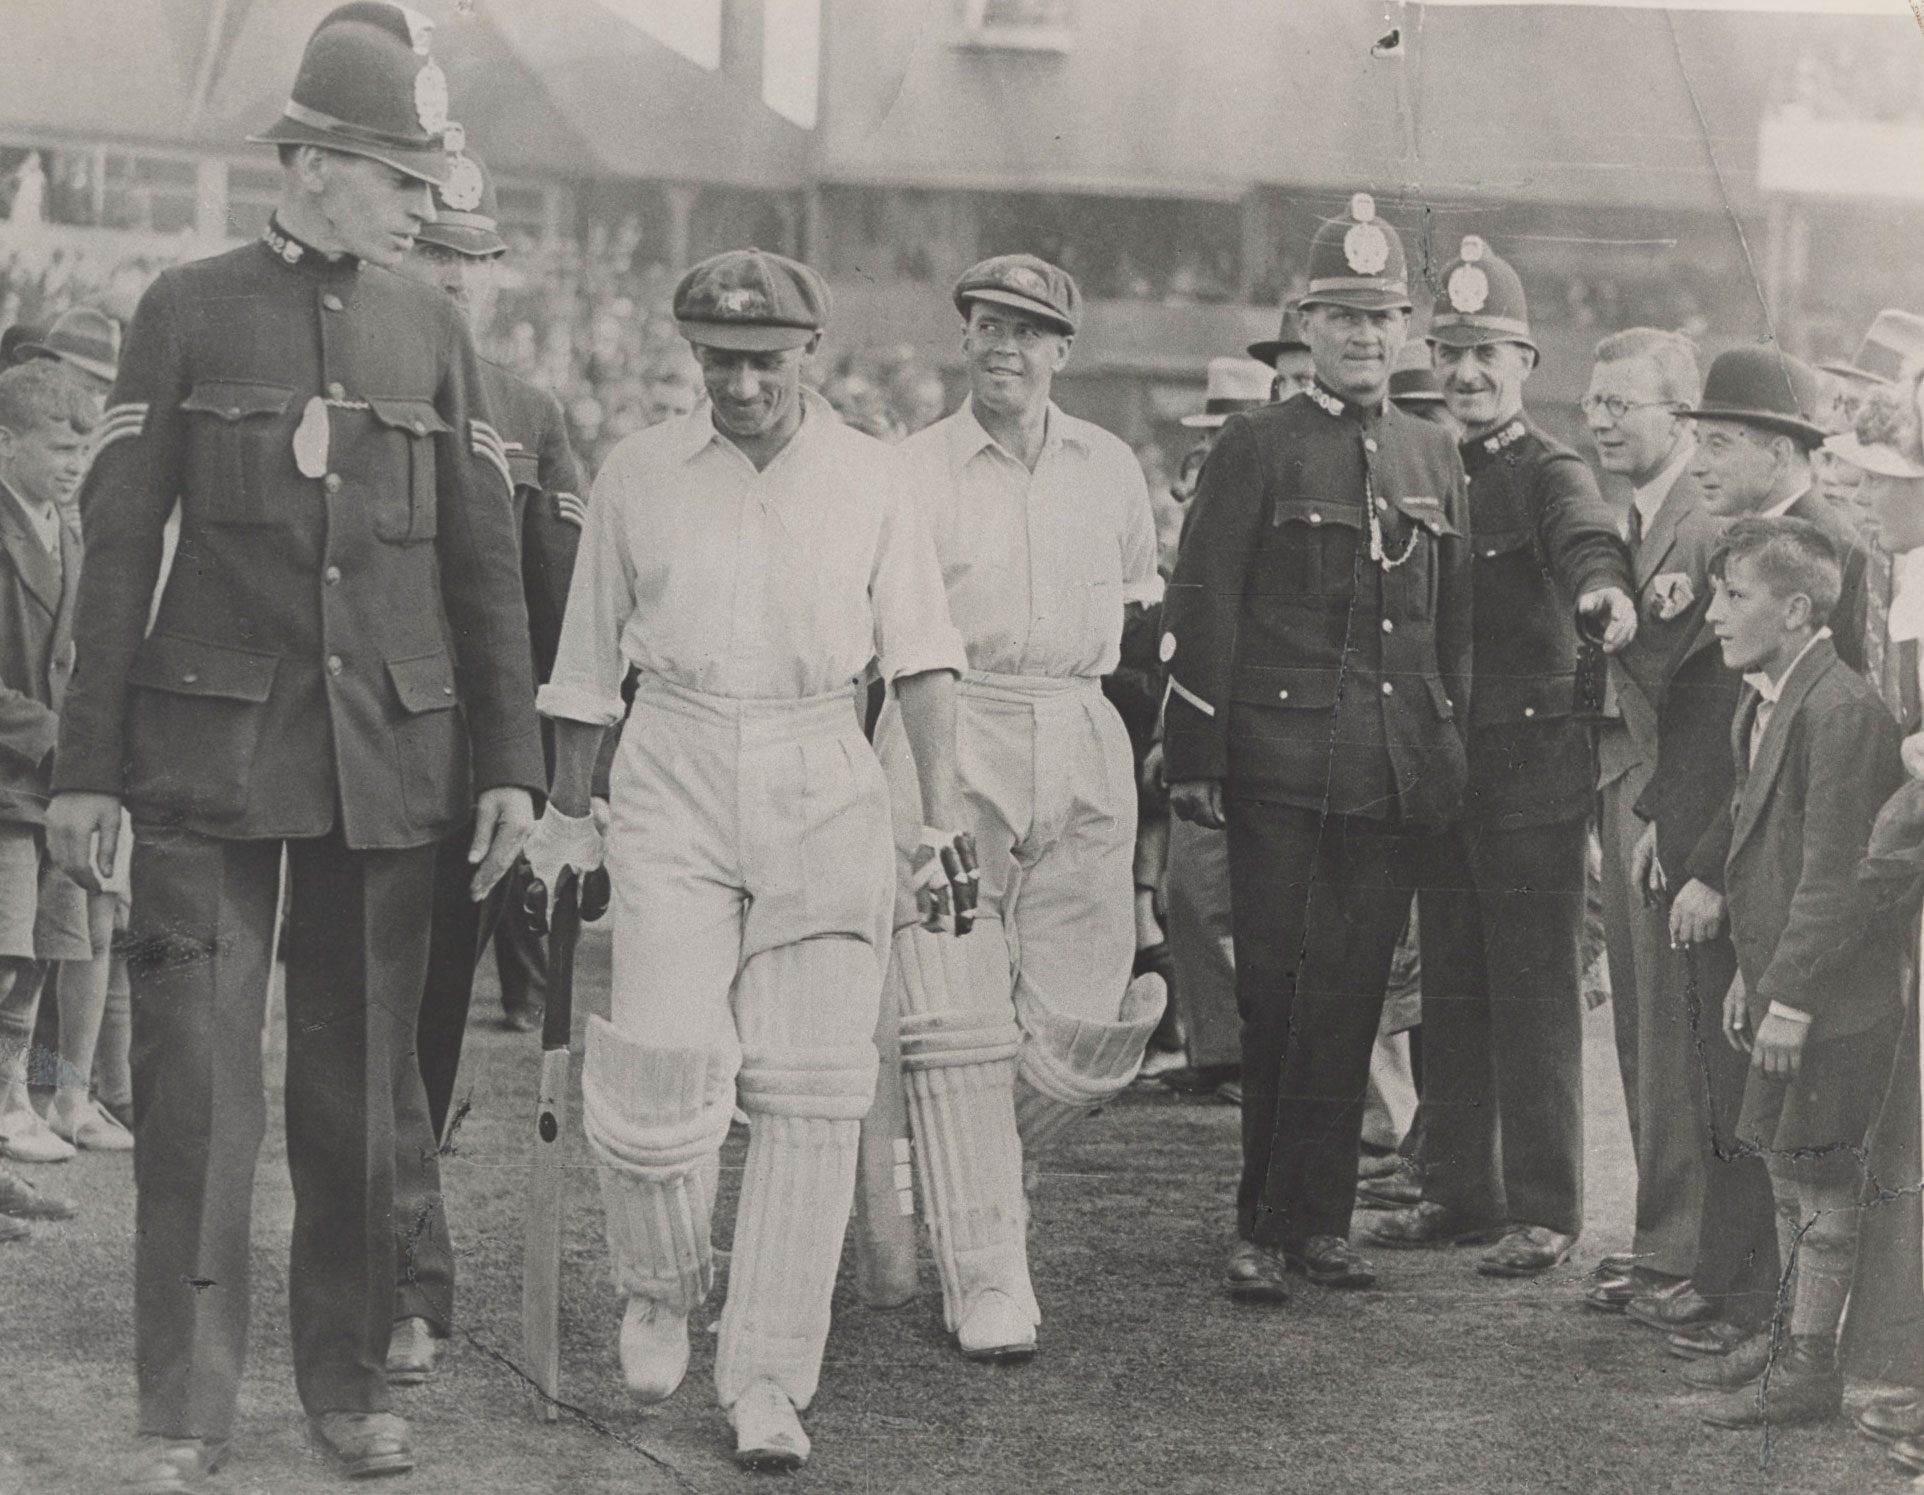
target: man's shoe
412 1350
1400 1188
1675 1307
25 1138
1890 1422
995 1330
1614 1294
24 1202
1256 1274
1375 1165
1427 1224
76 1117
1617 1264
1740 1367
654 1349
1705 1341
1527 1251
1908 1455
1230 1092
768 1434
362 1445
1159 1062
1330 1261
521 1018
170 1466
1803 1386
1199 1079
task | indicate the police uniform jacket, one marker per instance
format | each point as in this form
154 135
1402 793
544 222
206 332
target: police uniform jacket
350 645
1302 671
548 507
1544 537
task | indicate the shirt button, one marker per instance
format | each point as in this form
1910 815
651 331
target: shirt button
332 482
331 301
337 391
1388 626
332 575
334 664
1388 689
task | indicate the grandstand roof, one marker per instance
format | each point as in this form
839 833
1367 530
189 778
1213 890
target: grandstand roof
549 87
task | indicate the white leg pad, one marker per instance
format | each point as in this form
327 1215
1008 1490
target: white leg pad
655 1121
959 1059
1069 1066
805 1108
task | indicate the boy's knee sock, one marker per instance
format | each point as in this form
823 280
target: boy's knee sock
1827 1258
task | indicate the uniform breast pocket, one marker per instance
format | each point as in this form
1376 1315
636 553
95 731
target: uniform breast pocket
430 739
1310 551
193 726
239 454
401 485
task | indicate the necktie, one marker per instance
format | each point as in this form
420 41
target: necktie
1881 661
1635 540
1759 721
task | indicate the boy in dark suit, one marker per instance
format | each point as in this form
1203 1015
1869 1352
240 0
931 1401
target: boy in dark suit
1817 1006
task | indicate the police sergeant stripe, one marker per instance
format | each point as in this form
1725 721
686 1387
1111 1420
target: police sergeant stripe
568 506
119 424
1191 697
488 445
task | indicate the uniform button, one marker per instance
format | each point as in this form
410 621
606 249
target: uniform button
1489 553
447 690
1282 695
332 576
332 482
334 664
233 412
337 391
1388 689
1388 626
420 427
1383 505
1314 517
1369 443
331 301
1529 711
189 678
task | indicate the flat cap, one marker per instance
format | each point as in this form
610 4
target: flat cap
1026 283
751 301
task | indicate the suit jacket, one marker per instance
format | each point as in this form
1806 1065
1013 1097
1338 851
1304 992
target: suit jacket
1851 616
1301 670
36 657
1679 542
343 635
1809 932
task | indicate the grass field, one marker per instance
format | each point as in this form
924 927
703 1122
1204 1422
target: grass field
1148 1380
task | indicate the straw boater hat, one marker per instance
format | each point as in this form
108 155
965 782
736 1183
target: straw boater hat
1234 384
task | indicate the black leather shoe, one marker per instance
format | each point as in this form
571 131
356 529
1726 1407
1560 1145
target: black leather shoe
174 1466
1889 1422
1429 1224
1527 1251
1613 1294
412 1352
1803 1386
1200 1079
1705 1341
520 1019
1676 1307
363 1444
1330 1261
1400 1188
1740 1367
1256 1274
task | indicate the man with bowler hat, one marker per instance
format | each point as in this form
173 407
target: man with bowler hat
458 254
1318 641
343 675
1502 903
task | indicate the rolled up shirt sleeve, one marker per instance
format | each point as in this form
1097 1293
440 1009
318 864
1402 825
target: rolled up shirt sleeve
913 631
588 667
1141 581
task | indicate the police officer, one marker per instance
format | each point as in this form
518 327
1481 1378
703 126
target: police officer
1318 638
1502 906
340 674
458 254
1042 525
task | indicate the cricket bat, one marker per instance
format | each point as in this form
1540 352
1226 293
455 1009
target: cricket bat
885 1266
541 1241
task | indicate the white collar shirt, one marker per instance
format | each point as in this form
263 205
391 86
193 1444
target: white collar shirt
1907 596
1770 691
1649 499
1037 565
1778 510
778 584
44 522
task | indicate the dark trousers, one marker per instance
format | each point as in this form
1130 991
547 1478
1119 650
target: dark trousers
356 953
1319 901
1737 1263
1502 921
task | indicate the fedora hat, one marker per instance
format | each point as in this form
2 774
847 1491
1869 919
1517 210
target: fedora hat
1288 335
1235 384
1766 388
1895 338
83 336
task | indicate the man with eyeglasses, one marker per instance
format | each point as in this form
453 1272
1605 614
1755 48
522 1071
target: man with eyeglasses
1664 772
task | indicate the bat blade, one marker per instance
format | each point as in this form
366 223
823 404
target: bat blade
541 1250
